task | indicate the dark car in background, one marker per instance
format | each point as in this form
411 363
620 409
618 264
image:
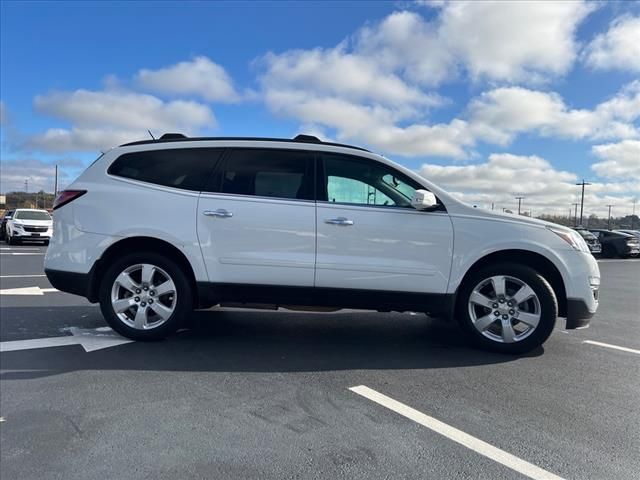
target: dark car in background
592 241
3 224
617 244
635 233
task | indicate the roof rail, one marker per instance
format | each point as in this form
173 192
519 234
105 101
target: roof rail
172 136
307 139
179 137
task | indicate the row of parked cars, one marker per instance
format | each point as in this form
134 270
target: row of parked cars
26 224
612 243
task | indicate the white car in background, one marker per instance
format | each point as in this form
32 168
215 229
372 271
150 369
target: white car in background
29 224
153 229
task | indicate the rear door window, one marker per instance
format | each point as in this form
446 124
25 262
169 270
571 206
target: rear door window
185 168
266 173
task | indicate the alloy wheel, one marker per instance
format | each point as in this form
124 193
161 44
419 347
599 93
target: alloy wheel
143 296
504 309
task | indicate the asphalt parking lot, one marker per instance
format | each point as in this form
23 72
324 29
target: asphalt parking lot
261 394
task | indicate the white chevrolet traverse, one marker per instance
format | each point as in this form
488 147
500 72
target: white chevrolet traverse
154 229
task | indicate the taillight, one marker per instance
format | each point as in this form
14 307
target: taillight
67 196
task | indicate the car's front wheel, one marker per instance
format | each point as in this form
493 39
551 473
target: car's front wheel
145 296
507 308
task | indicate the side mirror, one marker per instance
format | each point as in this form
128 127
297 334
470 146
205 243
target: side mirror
423 199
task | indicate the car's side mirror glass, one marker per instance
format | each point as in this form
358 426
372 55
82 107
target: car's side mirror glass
423 200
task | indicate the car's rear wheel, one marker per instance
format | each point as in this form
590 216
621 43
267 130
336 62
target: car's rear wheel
507 308
145 296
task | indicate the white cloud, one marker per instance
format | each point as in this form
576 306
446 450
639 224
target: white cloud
513 41
60 140
40 174
405 43
340 74
617 48
371 87
546 189
200 76
619 160
499 114
102 119
123 109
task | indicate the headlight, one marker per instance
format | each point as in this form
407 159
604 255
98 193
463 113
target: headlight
17 226
572 237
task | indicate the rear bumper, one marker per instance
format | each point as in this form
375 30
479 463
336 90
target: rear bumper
69 282
578 314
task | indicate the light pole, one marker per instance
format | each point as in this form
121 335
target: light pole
575 217
519 203
609 219
582 199
633 214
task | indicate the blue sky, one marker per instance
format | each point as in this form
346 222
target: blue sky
486 99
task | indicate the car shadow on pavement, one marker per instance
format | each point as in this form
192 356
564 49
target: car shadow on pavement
257 341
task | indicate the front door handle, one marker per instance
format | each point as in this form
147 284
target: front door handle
339 221
220 213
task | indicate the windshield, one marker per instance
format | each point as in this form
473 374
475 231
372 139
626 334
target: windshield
32 215
586 234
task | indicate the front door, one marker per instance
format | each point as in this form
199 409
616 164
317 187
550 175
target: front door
369 236
256 221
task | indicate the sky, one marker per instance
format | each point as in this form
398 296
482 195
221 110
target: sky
489 100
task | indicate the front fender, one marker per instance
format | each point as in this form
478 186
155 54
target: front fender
475 238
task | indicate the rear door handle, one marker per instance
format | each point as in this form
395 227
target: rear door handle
339 221
220 213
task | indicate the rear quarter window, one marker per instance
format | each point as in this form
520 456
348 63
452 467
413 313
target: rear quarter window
185 168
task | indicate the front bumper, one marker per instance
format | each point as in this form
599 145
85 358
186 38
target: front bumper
578 314
32 235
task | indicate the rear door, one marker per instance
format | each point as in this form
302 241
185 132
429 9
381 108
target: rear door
369 236
256 218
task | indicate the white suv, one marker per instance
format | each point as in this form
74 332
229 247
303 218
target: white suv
29 224
154 229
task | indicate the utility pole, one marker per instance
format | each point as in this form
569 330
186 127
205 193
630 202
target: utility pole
26 185
575 217
609 219
519 203
491 205
633 214
55 185
582 199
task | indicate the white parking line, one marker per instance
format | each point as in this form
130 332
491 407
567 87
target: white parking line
458 436
625 260
21 276
27 291
615 347
21 253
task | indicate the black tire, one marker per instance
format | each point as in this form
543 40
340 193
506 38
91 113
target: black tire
547 302
11 240
184 296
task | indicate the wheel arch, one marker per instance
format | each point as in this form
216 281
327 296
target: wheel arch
138 244
536 261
